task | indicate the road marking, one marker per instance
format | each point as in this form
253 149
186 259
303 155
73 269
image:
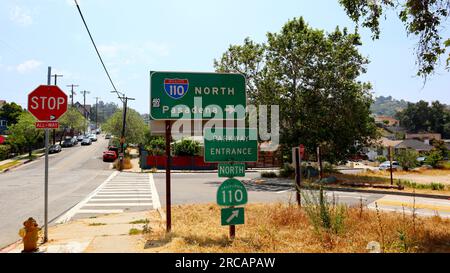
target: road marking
118 199
156 202
417 205
68 215
118 205
123 195
100 211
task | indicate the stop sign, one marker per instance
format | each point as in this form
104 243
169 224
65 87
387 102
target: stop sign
47 102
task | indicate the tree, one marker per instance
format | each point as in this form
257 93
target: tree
11 112
421 117
312 77
24 133
407 158
105 111
424 19
73 120
186 147
135 130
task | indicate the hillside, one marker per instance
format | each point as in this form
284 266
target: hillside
387 106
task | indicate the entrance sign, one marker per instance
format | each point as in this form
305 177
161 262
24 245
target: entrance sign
47 103
231 145
231 170
172 94
232 216
47 124
232 193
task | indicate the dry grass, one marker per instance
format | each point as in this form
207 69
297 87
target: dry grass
427 172
284 228
126 164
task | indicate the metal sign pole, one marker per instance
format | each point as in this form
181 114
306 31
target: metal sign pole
297 174
46 172
168 167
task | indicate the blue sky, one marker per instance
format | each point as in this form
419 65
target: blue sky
137 36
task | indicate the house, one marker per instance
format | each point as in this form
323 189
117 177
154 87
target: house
424 137
413 144
386 120
84 110
381 148
3 122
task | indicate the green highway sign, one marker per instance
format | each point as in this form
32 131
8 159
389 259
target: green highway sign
231 170
232 193
188 95
232 216
230 145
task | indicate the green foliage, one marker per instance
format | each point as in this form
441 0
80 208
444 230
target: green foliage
423 19
4 151
414 185
73 119
433 158
323 214
387 106
105 111
287 171
407 158
381 158
156 146
422 117
269 174
135 130
24 133
309 74
11 112
186 147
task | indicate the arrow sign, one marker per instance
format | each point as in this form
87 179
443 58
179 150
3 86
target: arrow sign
232 216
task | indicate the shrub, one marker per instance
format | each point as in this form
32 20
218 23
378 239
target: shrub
126 164
4 151
433 158
268 174
381 158
187 147
407 159
287 171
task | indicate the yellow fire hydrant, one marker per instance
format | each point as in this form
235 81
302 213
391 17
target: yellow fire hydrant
30 235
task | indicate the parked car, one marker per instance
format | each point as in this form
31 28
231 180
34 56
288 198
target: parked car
109 156
86 141
80 138
108 136
421 159
68 142
56 148
113 148
93 137
387 165
75 140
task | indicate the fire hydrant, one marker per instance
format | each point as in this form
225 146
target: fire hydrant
30 235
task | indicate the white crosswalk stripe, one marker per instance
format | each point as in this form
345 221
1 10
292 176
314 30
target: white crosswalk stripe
120 192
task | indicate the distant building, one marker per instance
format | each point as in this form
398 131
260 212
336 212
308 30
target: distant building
3 122
424 137
85 111
414 144
386 120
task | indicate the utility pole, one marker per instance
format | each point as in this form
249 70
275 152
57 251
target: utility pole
124 99
71 91
54 130
96 112
84 105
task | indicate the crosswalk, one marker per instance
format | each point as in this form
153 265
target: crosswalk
120 192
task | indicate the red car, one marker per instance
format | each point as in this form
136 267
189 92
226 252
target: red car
109 156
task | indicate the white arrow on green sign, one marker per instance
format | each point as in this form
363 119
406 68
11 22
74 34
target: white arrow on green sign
232 216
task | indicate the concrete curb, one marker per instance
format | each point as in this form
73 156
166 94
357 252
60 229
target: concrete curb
20 164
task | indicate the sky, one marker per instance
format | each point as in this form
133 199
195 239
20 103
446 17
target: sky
137 36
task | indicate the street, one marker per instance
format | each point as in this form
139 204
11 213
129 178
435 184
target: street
73 174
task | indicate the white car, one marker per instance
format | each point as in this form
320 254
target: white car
386 165
93 137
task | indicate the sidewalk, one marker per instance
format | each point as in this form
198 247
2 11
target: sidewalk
12 163
115 233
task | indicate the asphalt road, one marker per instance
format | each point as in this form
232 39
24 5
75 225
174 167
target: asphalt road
193 188
73 173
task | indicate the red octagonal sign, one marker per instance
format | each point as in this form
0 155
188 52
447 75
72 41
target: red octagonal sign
47 103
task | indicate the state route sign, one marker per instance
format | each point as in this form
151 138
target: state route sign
232 216
232 193
196 96
230 145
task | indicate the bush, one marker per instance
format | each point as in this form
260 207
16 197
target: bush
381 159
433 158
187 147
268 174
287 171
156 146
4 151
407 159
126 164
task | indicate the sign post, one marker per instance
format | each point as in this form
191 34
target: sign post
47 103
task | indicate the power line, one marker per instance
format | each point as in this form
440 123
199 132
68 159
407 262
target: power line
98 53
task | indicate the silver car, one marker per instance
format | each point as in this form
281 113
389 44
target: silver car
387 165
